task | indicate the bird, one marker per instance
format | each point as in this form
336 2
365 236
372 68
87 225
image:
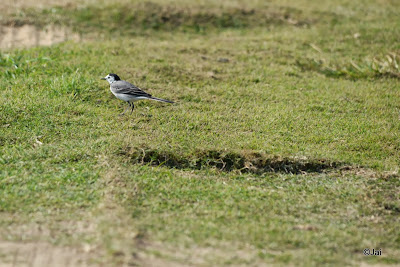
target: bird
128 92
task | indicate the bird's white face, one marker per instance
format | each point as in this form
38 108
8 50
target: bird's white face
110 79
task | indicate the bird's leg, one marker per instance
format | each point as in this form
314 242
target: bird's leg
133 106
125 109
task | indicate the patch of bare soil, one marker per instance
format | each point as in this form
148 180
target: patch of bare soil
15 5
26 36
29 36
40 254
159 254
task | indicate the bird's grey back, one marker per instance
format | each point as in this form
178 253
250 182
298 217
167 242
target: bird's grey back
124 87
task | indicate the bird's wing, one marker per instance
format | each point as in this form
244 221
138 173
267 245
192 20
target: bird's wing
123 87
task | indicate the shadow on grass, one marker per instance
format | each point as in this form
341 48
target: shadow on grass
250 162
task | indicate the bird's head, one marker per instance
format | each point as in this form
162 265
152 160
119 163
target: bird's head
110 78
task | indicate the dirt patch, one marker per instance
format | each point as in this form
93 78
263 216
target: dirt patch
368 173
161 254
14 5
38 254
29 36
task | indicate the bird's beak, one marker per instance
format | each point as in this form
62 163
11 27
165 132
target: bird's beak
102 78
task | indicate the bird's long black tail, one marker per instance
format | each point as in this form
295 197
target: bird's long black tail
161 100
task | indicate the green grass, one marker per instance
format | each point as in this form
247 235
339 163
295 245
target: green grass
282 148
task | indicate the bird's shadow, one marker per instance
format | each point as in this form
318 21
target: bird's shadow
139 117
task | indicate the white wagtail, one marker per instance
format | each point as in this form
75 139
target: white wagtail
128 92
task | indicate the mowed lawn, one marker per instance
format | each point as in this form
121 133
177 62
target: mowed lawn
282 147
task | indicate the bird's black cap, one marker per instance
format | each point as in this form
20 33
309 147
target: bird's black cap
116 77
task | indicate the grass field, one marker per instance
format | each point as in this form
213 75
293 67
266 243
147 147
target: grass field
282 148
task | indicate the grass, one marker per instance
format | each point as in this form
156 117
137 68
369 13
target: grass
383 67
268 157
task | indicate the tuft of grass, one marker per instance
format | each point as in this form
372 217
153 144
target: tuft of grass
18 65
378 67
